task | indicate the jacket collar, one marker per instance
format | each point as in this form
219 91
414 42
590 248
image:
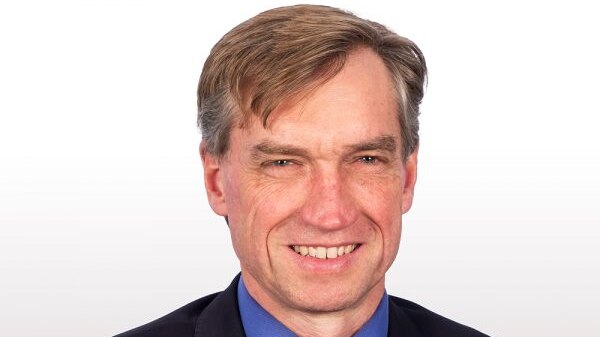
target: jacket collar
222 316
399 323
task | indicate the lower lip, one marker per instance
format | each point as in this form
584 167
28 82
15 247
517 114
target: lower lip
317 265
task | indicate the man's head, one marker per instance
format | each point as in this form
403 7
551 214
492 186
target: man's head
309 121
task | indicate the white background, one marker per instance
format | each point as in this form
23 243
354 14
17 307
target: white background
104 220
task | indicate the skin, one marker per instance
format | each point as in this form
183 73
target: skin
327 171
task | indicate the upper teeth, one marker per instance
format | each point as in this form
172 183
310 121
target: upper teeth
324 252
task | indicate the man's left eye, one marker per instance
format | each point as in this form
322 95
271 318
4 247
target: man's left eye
368 159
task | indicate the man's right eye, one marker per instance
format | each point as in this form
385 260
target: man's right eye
277 163
282 168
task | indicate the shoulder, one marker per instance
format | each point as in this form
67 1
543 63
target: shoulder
181 322
215 315
427 322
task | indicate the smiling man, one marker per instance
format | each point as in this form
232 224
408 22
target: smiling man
310 143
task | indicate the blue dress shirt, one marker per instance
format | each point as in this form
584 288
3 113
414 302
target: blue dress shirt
258 322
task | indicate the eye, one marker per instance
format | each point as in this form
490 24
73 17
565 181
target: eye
282 168
281 163
368 159
277 163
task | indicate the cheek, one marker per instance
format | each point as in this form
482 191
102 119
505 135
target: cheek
380 195
389 221
381 201
257 207
241 210
272 201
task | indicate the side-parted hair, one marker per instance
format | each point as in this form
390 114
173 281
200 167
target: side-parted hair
285 53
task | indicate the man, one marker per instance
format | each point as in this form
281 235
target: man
310 142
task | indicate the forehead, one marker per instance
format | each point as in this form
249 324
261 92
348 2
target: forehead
355 105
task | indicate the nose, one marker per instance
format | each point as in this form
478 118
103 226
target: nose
329 204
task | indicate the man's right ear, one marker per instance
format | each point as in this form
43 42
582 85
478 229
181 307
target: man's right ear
213 181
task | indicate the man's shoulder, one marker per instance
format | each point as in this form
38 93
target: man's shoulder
210 316
426 322
181 322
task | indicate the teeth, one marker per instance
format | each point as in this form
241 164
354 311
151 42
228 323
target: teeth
324 252
331 253
321 252
303 250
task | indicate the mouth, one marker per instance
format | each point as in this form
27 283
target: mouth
323 253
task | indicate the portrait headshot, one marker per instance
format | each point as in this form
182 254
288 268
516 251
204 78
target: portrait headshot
309 120
184 169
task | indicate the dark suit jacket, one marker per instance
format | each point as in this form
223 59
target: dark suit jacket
217 315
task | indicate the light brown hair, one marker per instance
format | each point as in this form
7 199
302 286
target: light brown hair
286 52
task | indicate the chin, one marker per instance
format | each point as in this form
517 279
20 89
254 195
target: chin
325 298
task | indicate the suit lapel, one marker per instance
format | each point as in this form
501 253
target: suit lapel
221 318
399 325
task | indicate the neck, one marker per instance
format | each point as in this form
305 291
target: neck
312 323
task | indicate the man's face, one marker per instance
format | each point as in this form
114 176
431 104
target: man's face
326 178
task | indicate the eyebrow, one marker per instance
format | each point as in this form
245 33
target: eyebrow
384 143
270 148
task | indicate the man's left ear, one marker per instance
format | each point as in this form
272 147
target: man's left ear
410 179
213 181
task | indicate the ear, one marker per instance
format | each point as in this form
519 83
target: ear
410 179
213 180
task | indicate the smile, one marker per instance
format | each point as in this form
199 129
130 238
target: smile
324 252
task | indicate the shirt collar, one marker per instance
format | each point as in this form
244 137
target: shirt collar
258 322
